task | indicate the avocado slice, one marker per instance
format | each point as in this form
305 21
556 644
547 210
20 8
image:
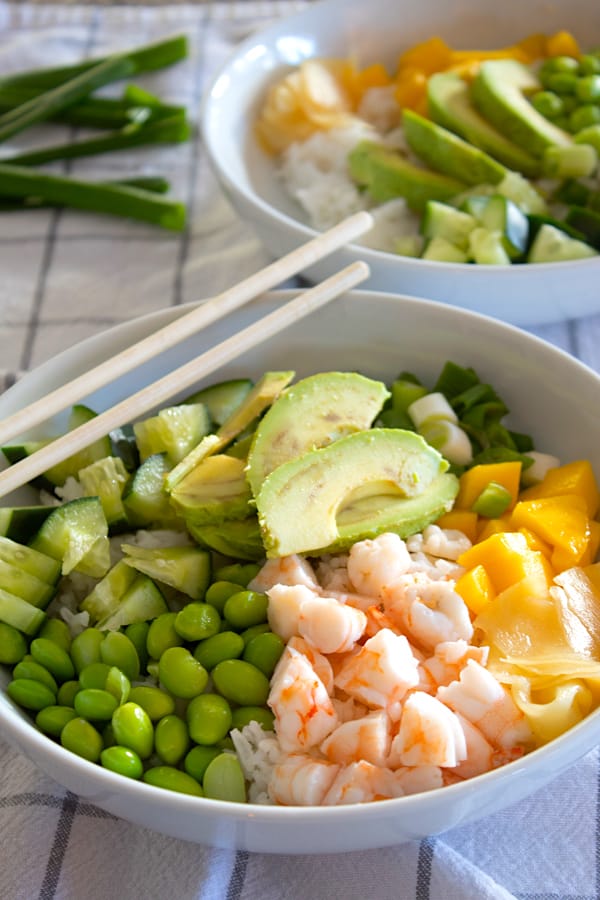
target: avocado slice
299 501
450 105
387 175
239 538
312 413
214 491
499 92
445 152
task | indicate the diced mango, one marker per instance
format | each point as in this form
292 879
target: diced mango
561 521
476 479
411 88
488 527
462 520
572 478
563 43
533 46
432 55
476 588
591 551
535 542
508 559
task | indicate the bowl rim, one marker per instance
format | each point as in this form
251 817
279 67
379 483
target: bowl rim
581 738
212 96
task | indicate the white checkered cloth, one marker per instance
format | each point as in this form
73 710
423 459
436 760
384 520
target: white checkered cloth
67 275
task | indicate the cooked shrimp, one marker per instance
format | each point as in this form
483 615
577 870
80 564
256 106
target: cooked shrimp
290 570
349 709
366 738
332 573
301 780
445 543
414 780
429 734
361 782
285 602
480 753
330 626
373 564
304 713
450 657
429 611
320 663
487 704
381 673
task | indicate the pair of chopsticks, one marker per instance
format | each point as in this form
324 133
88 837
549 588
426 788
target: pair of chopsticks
183 377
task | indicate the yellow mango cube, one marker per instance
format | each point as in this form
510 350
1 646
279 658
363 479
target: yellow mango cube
488 527
573 478
476 588
462 520
560 521
507 559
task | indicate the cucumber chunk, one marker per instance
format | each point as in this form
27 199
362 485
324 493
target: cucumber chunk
77 534
187 569
553 245
221 400
442 220
105 597
141 602
175 431
23 584
145 499
20 614
20 523
41 565
106 479
440 249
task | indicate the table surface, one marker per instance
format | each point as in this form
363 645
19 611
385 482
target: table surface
66 276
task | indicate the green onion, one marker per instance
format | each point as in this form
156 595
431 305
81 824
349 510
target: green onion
130 202
43 106
153 183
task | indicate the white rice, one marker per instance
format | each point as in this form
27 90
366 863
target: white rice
258 752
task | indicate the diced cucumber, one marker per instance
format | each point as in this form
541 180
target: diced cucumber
20 614
499 214
217 489
187 569
487 248
442 220
536 222
439 249
124 445
20 523
77 534
23 584
106 479
145 499
221 400
175 431
408 245
239 539
41 565
104 599
587 221
553 245
521 192
140 603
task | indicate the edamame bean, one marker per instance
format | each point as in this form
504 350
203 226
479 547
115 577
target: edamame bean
85 648
123 761
209 718
162 635
52 719
172 780
181 674
219 592
224 779
52 657
29 668
239 573
243 715
108 735
95 704
264 652
117 650
57 631
13 645
251 633
245 609
588 89
241 682
82 738
171 740
213 650
132 728
94 675
118 684
197 621
66 693
30 694
156 702
197 760
583 117
589 64
137 633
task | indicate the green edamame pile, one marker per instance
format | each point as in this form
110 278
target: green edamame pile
155 700
571 91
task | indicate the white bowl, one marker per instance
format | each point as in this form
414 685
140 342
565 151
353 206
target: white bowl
379 335
377 31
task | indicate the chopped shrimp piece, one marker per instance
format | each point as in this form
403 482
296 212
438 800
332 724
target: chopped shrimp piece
283 612
381 673
373 564
480 753
429 734
351 599
330 626
366 738
290 570
487 704
348 709
446 543
429 611
361 782
415 779
377 619
320 663
450 657
304 713
300 780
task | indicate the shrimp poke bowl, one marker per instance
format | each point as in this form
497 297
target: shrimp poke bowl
471 134
341 595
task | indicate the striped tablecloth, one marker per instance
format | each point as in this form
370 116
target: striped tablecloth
66 276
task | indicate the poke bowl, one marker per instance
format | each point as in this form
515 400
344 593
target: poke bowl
550 396
290 121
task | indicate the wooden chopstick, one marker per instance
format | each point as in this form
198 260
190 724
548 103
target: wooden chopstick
183 377
173 333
